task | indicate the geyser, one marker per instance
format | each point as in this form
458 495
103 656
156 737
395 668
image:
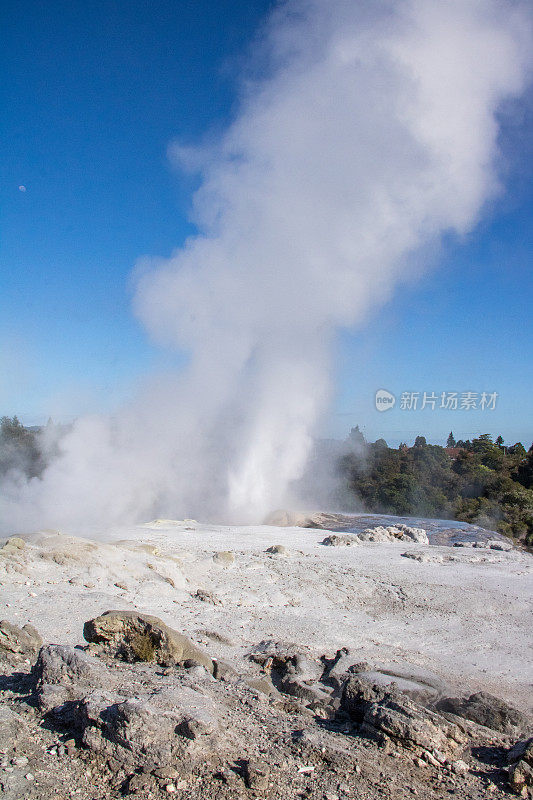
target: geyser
372 130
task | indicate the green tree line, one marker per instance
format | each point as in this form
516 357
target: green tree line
19 449
480 481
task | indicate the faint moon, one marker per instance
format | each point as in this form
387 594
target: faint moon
22 188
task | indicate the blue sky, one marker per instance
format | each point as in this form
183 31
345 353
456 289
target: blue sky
92 94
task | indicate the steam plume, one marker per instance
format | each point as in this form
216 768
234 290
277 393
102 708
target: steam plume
374 131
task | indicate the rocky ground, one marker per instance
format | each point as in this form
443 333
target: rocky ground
274 664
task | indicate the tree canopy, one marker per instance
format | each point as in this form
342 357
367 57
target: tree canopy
484 483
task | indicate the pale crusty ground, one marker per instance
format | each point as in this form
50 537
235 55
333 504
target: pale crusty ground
465 614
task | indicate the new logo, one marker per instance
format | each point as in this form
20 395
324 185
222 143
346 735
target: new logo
384 400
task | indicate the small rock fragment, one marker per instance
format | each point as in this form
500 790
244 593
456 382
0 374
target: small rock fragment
17 643
207 597
277 550
225 558
459 766
256 775
334 540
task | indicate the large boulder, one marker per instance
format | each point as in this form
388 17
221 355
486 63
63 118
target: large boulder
131 636
18 643
151 728
487 710
382 713
68 666
120 712
63 675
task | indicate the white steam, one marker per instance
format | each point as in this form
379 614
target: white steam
374 132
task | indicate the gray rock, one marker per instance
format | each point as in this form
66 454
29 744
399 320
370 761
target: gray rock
63 676
292 664
334 540
140 637
65 665
521 777
306 691
215 636
224 671
262 685
307 669
256 775
199 673
418 684
521 750
17 542
392 533
520 756
150 729
277 550
382 712
413 534
379 534
338 669
499 544
18 643
269 650
422 557
225 558
207 597
11 725
293 672
487 710
57 701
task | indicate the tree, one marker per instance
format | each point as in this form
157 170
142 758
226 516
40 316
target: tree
517 449
450 442
524 473
19 449
486 484
499 441
356 437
